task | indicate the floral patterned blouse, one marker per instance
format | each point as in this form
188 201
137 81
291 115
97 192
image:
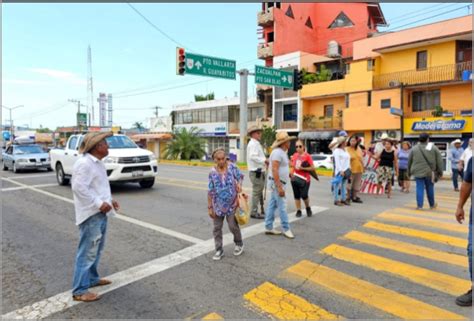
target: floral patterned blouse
223 189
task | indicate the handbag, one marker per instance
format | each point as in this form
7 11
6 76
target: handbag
243 211
434 175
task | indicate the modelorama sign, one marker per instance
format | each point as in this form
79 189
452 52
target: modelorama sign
439 125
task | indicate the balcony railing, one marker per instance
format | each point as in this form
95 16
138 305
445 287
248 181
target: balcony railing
446 73
323 123
265 18
289 124
265 50
465 112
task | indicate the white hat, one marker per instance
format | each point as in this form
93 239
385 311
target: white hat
457 141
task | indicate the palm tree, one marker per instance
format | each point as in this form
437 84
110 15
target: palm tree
139 126
185 145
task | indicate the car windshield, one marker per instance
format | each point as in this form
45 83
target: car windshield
19 150
318 158
120 142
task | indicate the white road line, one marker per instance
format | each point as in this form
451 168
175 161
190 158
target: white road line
63 301
7 189
150 226
28 176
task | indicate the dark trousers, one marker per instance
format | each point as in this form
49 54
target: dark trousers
233 227
455 175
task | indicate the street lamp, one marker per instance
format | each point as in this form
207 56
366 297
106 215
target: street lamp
11 121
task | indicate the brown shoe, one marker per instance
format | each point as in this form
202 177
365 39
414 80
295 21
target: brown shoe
86 297
102 282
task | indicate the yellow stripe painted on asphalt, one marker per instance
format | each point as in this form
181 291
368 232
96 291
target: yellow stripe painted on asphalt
399 218
430 236
284 305
434 280
213 316
407 248
423 213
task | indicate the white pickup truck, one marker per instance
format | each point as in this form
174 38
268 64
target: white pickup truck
126 161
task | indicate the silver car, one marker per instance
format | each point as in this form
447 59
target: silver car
23 157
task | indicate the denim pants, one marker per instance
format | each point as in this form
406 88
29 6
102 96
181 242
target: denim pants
276 202
469 244
455 175
340 190
91 243
423 183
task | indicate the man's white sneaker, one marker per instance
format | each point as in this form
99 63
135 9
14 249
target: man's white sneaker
273 232
219 254
289 234
238 250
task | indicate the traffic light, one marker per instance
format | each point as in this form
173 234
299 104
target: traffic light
180 61
297 79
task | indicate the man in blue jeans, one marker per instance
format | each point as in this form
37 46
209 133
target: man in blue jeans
454 156
92 202
466 190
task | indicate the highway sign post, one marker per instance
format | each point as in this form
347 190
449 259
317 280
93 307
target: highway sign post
274 77
207 66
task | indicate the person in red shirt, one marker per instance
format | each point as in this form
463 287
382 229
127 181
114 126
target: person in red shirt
302 165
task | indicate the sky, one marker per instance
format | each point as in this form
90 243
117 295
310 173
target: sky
44 54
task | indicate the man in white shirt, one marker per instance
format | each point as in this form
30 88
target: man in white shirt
92 202
465 157
256 163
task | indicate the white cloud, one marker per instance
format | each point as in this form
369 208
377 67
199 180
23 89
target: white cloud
66 76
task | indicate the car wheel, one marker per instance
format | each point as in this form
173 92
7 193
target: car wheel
147 183
49 169
15 169
5 167
60 176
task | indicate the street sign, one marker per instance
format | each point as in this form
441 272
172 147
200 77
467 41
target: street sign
207 66
82 119
396 111
273 77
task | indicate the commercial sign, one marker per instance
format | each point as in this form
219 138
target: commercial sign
210 66
396 111
273 77
439 125
82 119
208 129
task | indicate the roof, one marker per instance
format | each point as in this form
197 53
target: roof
152 136
376 12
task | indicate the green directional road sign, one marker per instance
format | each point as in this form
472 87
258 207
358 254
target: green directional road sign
209 66
273 77
82 119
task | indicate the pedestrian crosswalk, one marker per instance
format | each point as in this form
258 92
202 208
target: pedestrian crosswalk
424 249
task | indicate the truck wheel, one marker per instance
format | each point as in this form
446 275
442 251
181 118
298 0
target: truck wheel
147 183
15 169
60 176
5 167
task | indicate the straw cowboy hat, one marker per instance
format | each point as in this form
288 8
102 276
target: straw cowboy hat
338 141
281 138
457 141
385 137
92 139
254 128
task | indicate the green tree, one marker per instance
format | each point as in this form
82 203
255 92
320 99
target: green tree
42 129
186 145
268 137
209 96
139 126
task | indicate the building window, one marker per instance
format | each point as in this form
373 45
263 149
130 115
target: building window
328 111
254 113
346 100
425 100
370 64
342 20
270 36
369 98
308 23
289 12
348 68
290 112
421 60
385 103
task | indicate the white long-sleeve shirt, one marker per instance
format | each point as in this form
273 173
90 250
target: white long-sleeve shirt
342 160
255 155
90 187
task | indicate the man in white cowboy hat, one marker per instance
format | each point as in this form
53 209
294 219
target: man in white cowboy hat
454 157
256 163
92 202
278 179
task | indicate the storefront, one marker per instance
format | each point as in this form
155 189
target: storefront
443 131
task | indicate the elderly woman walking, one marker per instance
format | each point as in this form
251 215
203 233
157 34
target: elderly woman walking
357 169
225 182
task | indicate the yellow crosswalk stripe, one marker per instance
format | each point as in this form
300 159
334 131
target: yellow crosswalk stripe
373 295
453 227
430 236
434 280
407 248
284 305
213 316
423 213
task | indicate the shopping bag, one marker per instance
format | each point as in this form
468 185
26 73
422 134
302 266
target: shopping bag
242 215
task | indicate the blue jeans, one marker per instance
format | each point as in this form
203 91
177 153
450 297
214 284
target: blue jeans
455 175
91 243
276 202
469 244
340 190
423 183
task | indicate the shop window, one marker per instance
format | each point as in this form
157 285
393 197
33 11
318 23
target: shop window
369 98
370 64
421 60
425 100
308 23
342 20
328 111
385 103
289 12
290 112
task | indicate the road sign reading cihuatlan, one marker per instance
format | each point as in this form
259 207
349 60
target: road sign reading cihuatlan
273 77
200 65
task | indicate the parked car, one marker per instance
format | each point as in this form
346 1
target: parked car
322 161
27 156
126 161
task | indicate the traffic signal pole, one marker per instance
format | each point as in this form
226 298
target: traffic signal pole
244 75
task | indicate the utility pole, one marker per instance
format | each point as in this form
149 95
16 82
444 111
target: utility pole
156 110
78 111
11 119
244 73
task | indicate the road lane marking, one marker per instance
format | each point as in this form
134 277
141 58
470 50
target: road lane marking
383 299
8 189
284 305
424 213
407 248
430 236
122 217
434 280
63 301
28 176
400 219
213 316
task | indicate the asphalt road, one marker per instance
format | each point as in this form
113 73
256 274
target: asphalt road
381 259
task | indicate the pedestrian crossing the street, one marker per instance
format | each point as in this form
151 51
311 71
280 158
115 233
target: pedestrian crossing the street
426 249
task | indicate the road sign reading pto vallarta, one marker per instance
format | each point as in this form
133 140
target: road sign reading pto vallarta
209 66
273 77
